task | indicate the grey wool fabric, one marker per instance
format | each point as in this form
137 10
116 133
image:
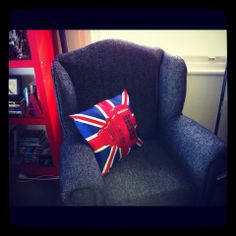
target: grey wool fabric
180 160
197 149
102 70
79 169
141 183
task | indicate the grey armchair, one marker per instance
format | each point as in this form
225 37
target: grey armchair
180 162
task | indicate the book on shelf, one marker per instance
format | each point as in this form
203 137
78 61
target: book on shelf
33 138
33 146
16 98
26 104
16 106
14 101
30 154
29 146
16 113
13 106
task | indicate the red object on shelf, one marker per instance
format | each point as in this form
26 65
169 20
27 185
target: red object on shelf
42 54
21 64
27 121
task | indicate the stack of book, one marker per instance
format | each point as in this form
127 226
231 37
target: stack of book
31 145
26 104
16 106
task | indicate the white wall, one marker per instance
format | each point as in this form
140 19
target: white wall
179 42
202 101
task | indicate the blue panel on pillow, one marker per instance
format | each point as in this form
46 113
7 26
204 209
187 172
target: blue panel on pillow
87 129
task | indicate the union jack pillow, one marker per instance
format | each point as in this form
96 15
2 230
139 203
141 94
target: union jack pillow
110 129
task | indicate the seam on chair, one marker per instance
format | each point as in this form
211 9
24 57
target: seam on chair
58 93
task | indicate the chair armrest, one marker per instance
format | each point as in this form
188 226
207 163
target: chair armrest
81 180
202 153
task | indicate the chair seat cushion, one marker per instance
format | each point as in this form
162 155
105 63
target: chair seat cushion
149 177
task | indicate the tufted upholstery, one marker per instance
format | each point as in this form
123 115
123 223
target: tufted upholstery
180 159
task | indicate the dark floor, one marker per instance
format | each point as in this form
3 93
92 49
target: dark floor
47 193
34 193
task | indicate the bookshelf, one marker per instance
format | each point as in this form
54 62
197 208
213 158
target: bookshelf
42 54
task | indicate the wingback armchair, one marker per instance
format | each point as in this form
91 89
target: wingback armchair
180 161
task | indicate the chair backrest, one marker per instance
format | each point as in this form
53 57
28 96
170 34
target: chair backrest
103 69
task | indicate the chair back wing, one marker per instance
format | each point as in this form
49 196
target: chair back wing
65 97
172 87
103 69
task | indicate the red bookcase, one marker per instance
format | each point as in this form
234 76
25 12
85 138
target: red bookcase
42 55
